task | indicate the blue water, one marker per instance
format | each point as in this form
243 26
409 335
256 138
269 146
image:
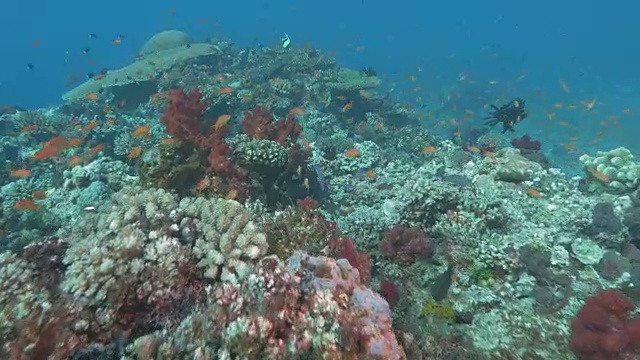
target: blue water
593 47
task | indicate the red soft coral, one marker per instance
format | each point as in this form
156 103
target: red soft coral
345 248
184 114
260 124
602 331
407 244
287 130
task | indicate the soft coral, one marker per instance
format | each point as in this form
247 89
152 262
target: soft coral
184 114
260 124
602 329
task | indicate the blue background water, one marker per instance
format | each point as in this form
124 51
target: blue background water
590 45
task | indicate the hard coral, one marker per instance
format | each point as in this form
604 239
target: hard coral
602 329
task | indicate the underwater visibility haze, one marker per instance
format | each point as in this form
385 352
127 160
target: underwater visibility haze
356 179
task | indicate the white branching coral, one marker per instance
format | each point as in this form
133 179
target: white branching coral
229 241
149 240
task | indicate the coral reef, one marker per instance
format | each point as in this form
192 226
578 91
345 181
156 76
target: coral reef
253 203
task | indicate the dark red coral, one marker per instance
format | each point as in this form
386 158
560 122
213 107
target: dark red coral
287 130
184 117
602 330
526 143
260 124
407 244
345 248
184 114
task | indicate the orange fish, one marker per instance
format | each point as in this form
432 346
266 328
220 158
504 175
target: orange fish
369 174
38 195
135 152
35 43
225 90
599 175
352 153
21 173
221 122
28 128
26 205
95 151
428 150
74 161
168 141
564 86
142 131
90 126
533 192
297 111
590 104
47 152
91 96
347 107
